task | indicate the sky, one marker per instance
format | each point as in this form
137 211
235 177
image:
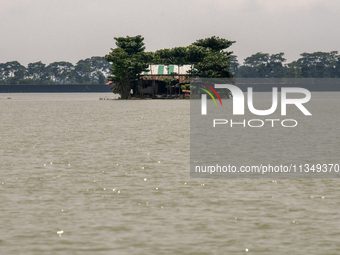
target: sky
70 30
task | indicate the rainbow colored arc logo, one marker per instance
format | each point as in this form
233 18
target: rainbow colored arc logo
209 93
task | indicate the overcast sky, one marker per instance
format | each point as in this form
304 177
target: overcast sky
70 30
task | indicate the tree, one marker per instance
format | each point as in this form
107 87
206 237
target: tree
319 64
61 72
128 61
179 55
336 71
2 73
12 72
255 66
15 69
99 69
164 56
207 57
195 54
234 65
293 70
82 72
214 43
275 66
211 60
37 71
263 65
214 65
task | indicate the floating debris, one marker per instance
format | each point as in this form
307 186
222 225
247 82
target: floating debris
60 232
106 98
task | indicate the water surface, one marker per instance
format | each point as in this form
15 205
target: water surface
114 176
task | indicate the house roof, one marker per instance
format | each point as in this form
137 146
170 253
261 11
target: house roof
166 70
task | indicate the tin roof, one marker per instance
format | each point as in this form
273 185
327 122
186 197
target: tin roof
165 70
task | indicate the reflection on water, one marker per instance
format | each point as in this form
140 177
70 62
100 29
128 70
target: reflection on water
114 177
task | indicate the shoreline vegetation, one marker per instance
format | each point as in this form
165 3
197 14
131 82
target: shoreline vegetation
207 58
94 70
125 68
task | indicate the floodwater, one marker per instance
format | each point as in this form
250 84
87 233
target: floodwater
112 177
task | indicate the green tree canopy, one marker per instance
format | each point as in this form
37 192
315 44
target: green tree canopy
214 43
234 65
11 72
61 72
128 61
319 64
36 71
263 65
210 58
164 56
131 45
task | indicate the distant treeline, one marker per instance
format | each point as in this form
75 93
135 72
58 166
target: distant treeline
309 65
94 70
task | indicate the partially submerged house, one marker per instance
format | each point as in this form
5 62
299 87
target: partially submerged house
153 82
